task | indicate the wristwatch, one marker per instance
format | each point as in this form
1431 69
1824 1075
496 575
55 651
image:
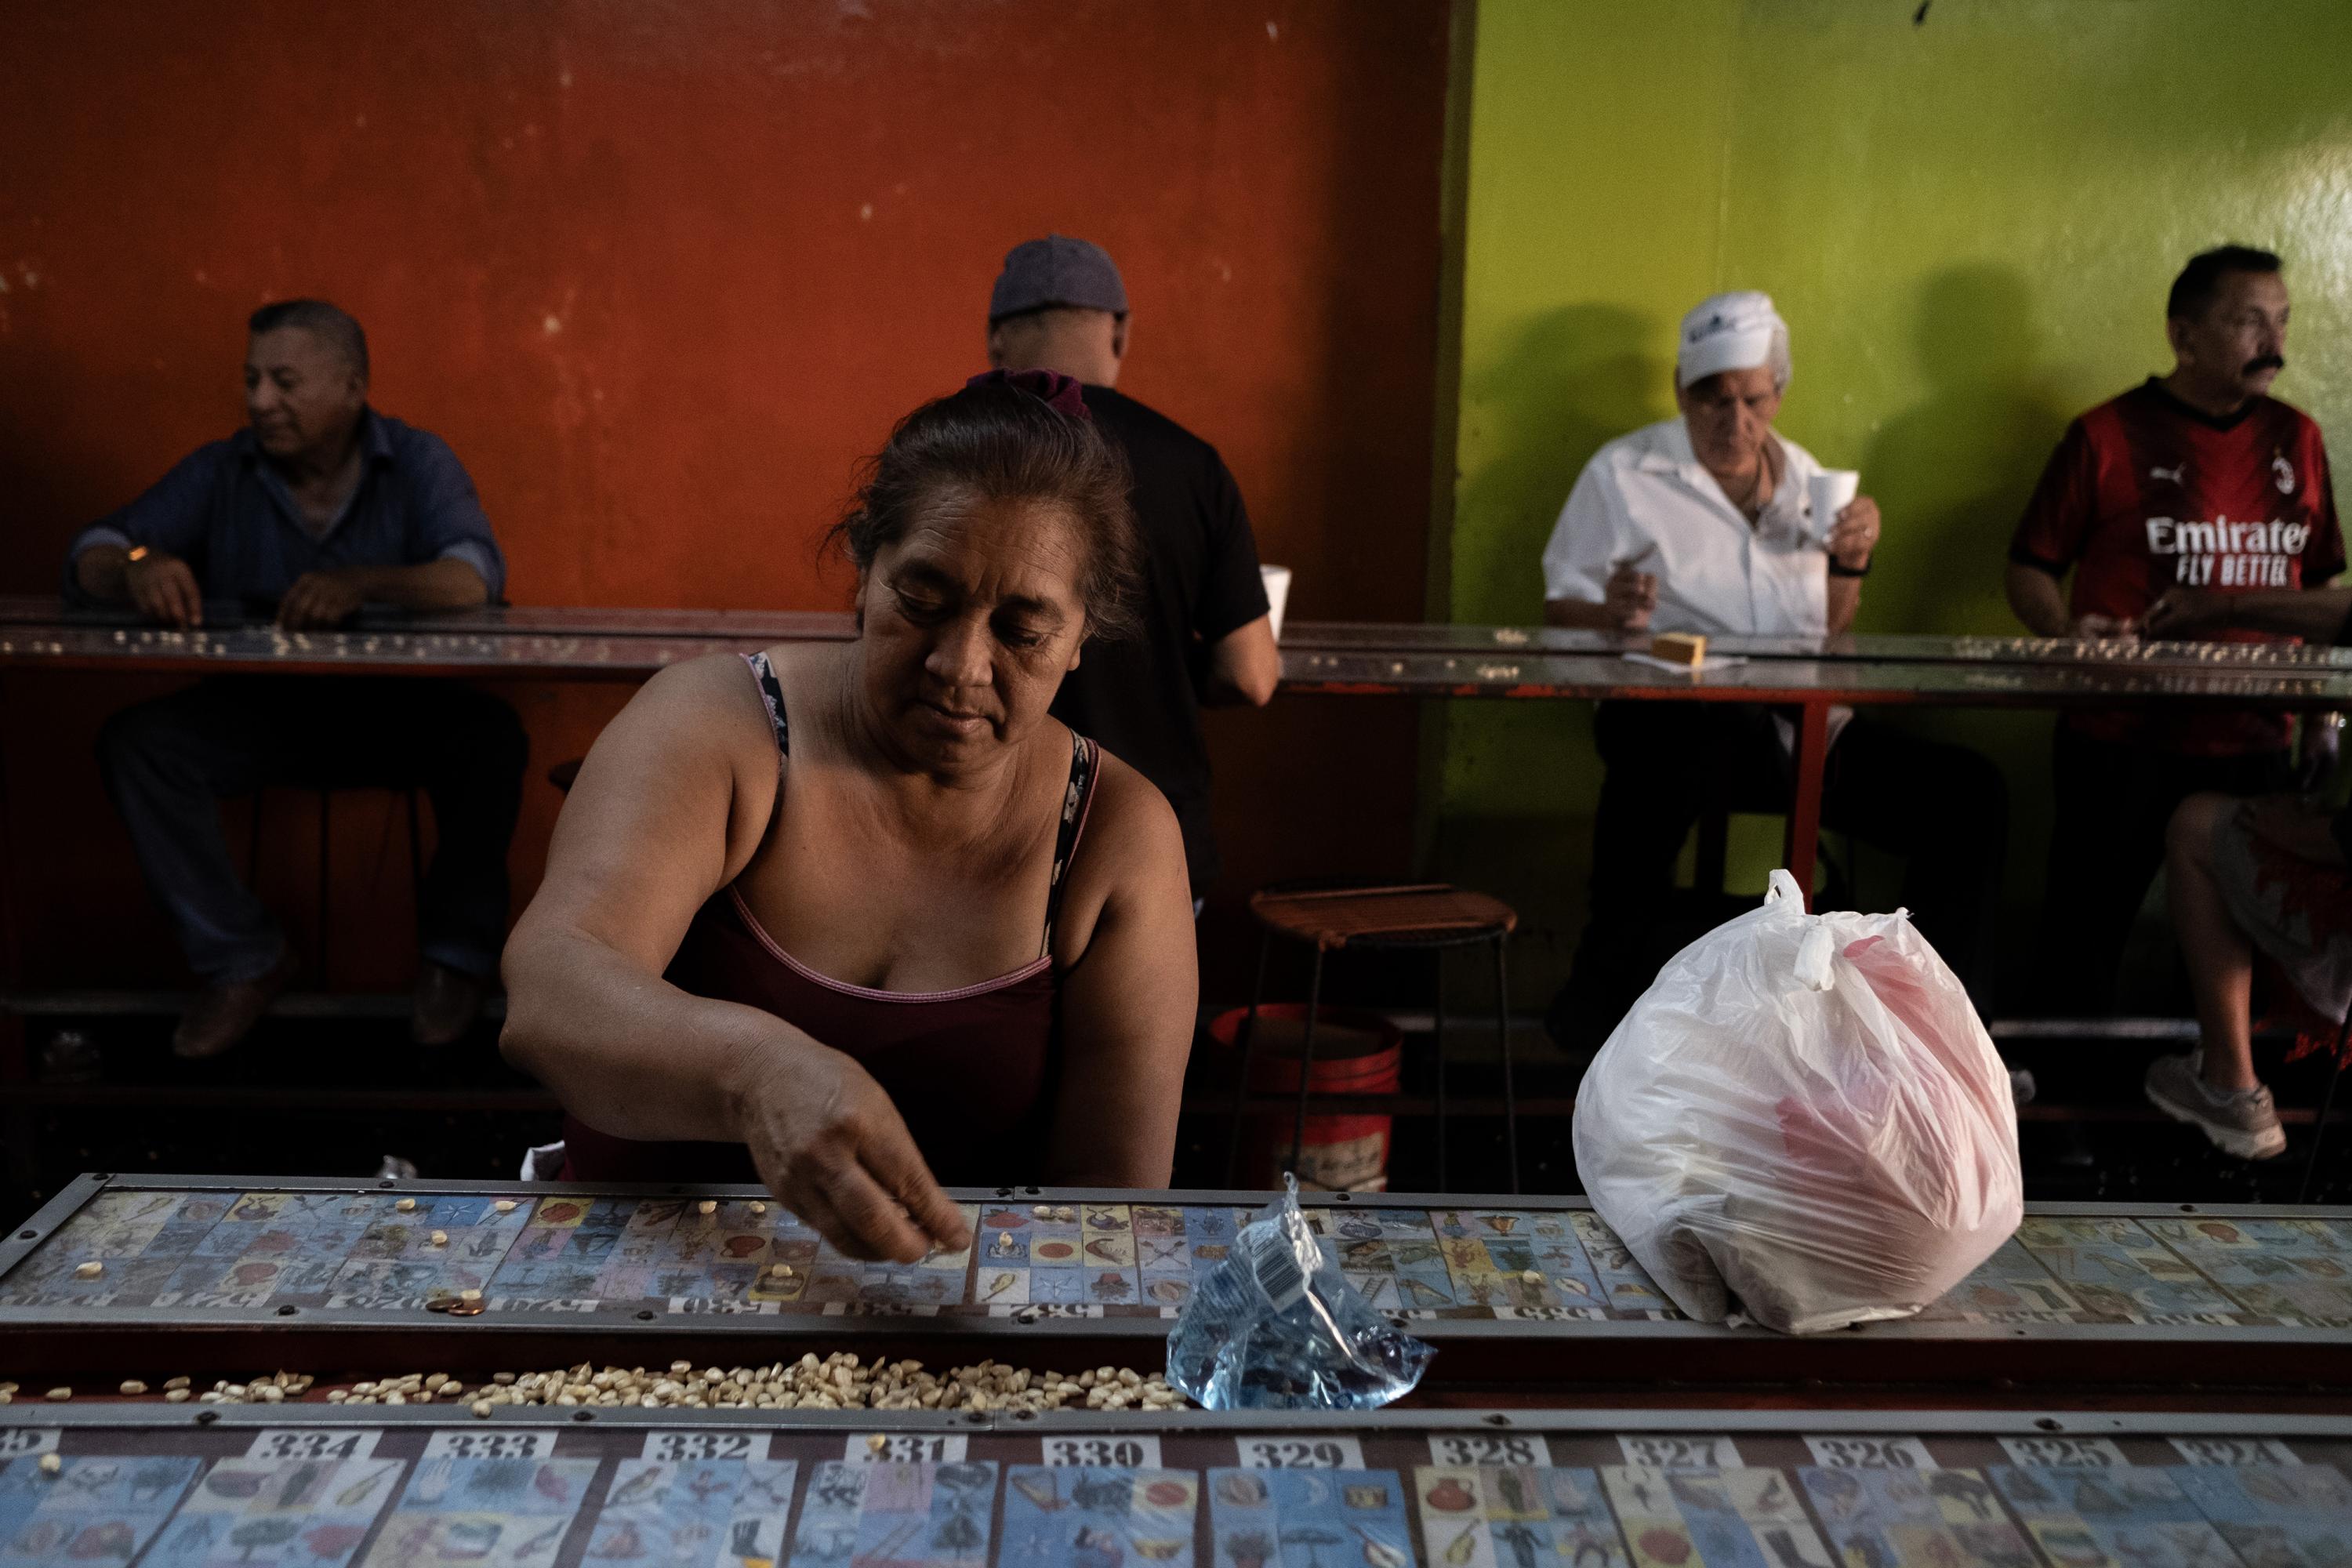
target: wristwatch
1840 569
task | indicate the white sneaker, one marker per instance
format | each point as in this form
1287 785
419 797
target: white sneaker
2243 1123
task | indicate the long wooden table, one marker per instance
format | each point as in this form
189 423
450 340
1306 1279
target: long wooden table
1812 676
1808 677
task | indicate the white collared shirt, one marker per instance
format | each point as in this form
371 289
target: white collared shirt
1645 500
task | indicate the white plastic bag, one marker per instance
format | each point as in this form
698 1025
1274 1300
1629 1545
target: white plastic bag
1802 1112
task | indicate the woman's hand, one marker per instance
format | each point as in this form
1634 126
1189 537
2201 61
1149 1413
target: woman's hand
828 1142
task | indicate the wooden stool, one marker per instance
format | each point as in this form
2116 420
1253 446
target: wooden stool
326 824
1380 916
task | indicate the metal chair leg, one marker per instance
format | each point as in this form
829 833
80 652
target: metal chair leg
1503 1037
416 855
253 847
326 882
1249 1055
1437 1044
1307 1059
2326 1105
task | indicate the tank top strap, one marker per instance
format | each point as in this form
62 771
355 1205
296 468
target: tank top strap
1086 763
772 697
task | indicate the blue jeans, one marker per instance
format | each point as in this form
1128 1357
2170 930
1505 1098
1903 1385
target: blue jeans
169 761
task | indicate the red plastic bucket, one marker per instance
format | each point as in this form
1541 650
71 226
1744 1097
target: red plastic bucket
1355 1053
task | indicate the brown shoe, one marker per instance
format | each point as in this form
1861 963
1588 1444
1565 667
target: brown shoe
221 1015
447 1003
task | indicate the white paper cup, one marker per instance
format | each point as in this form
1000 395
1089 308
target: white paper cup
1829 493
1278 594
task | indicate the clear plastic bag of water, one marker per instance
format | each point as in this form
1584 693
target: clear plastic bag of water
1275 1326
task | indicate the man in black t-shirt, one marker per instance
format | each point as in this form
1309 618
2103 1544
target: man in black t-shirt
1059 305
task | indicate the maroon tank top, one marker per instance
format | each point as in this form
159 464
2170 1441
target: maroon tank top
971 1070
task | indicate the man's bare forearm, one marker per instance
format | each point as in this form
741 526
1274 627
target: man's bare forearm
2036 599
1244 667
99 570
448 584
1844 600
1580 614
2315 614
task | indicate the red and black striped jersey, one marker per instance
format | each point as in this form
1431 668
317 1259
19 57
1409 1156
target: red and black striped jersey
2145 492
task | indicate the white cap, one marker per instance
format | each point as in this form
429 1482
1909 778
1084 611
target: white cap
1739 330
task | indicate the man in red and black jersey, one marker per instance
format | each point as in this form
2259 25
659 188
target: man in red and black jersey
2198 479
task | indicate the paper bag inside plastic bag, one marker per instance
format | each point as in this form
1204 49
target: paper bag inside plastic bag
1802 1112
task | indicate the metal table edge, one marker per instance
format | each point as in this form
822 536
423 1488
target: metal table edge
2023 1422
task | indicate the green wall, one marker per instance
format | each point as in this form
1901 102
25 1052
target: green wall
1969 221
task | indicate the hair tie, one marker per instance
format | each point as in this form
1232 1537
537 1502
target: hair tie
1062 394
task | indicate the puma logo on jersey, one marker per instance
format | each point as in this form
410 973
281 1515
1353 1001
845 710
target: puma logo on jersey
2172 474
2283 472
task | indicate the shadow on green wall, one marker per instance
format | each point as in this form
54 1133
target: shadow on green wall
1575 378
1523 775
1953 473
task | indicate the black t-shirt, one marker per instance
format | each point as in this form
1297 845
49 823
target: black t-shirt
1140 695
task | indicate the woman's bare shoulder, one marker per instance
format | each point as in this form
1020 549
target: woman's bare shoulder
693 746
697 710
717 686
1130 867
1130 827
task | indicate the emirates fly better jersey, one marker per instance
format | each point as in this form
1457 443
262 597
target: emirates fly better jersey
2146 493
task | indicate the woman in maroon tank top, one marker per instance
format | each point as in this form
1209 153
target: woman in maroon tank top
858 918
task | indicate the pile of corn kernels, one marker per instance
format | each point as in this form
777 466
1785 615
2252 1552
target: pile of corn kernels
838 1382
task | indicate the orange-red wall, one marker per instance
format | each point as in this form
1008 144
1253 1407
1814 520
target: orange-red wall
661 271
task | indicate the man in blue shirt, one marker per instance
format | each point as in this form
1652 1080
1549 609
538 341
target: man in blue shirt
321 505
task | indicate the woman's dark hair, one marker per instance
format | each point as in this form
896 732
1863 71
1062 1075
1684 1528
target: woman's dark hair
998 442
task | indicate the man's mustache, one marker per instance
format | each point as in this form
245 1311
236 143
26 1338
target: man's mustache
2264 361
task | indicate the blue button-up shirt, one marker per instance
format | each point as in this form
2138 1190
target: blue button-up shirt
224 509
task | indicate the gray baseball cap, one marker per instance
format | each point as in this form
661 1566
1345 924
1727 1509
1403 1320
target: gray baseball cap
1057 270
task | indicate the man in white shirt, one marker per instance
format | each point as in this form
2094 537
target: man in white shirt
1702 523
